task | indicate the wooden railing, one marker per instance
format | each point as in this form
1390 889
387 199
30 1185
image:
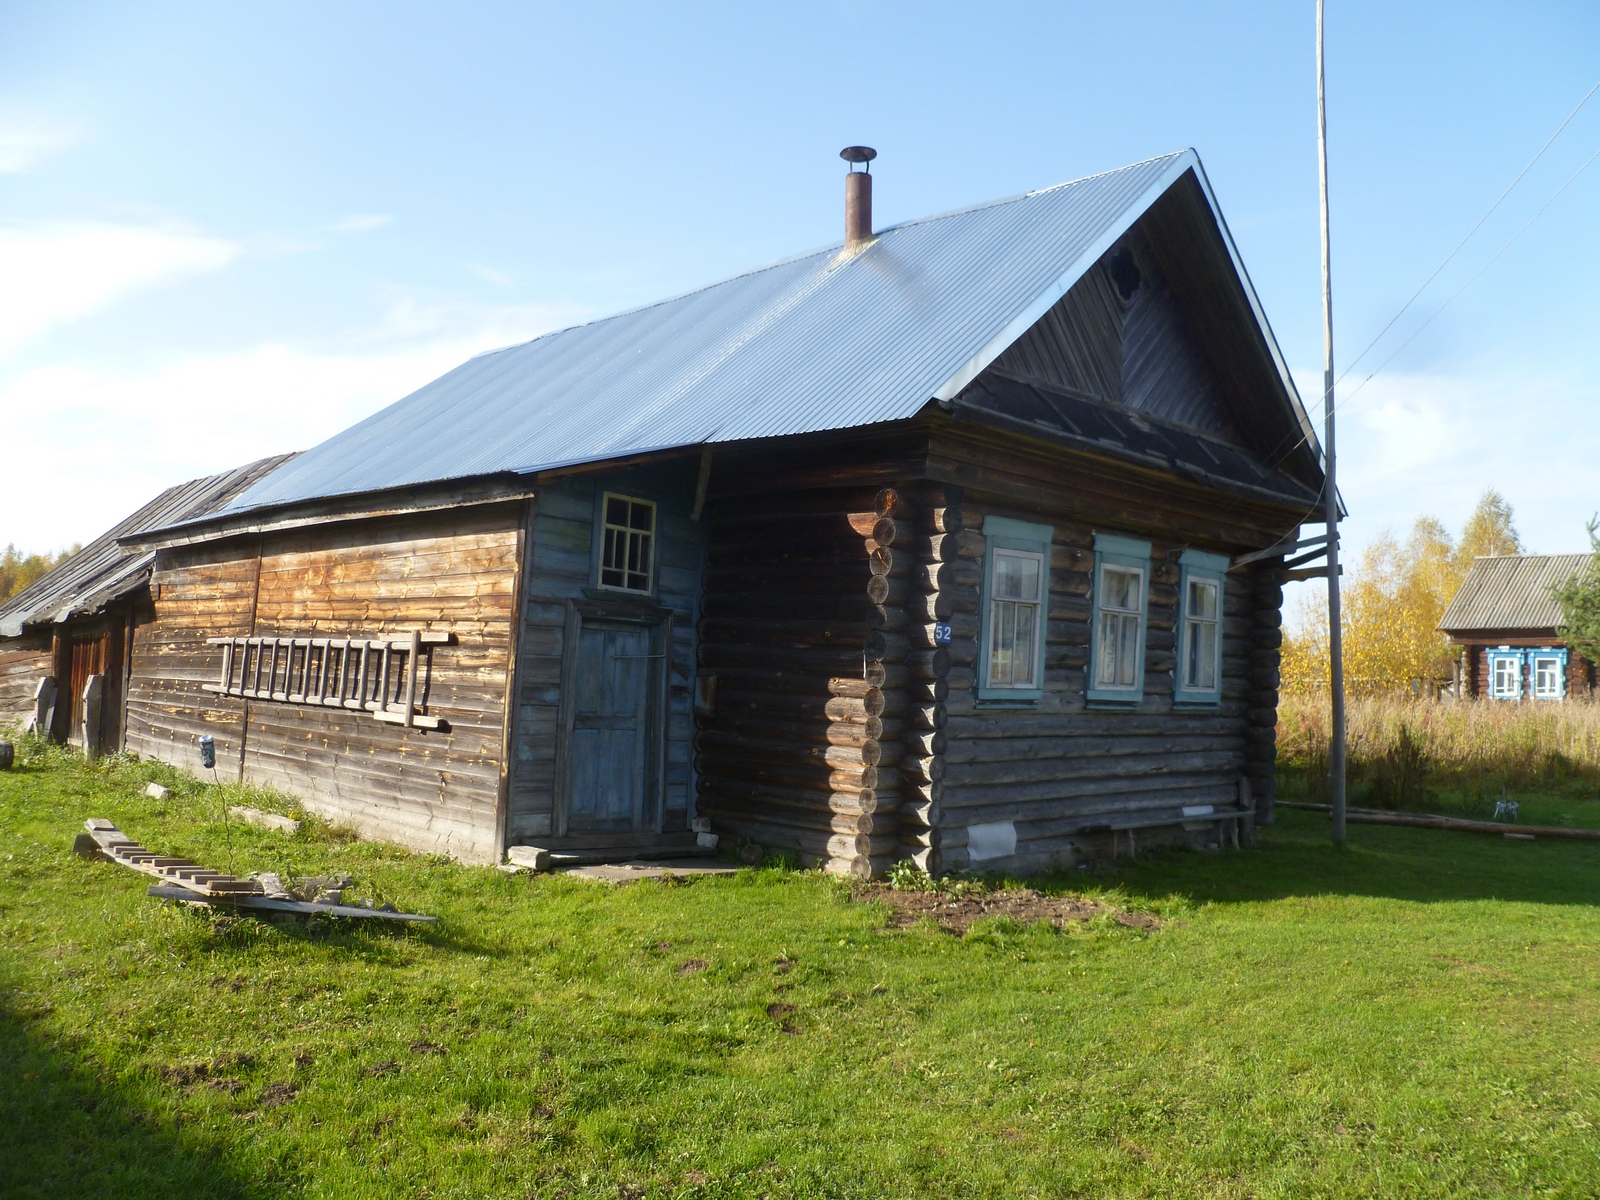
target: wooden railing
376 675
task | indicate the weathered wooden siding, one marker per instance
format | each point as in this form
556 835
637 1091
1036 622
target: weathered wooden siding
449 572
199 593
1136 352
24 662
560 568
1077 344
1164 373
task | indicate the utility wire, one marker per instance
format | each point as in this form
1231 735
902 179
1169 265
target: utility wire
1302 440
1570 181
1273 455
1449 258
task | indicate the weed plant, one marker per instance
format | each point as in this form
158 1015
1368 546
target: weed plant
1407 753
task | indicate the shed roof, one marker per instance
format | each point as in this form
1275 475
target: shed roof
1511 591
102 571
827 340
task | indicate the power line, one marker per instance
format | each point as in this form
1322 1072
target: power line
1302 440
1273 455
1570 181
1449 258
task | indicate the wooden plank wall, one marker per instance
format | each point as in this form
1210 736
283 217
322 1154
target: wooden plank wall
199 593
1077 344
24 661
453 572
1057 766
560 568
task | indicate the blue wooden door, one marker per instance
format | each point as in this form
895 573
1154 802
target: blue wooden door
610 780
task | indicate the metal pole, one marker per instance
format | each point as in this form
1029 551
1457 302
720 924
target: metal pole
1330 497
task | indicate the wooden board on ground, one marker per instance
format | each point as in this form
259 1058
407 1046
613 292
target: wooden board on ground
193 884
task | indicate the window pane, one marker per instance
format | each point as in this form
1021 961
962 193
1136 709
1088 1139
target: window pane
1016 576
1105 654
1203 599
616 511
1119 589
1206 668
1025 654
1003 642
644 517
1127 649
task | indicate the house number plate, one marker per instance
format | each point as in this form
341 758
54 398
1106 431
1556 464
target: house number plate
941 633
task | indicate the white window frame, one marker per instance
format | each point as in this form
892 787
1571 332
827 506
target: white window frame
1205 570
1559 658
1512 659
604 542
1004 536
1123 554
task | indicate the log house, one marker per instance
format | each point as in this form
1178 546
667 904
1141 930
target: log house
960 542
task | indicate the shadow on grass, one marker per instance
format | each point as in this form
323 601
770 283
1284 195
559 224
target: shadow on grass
1295 857
66 1133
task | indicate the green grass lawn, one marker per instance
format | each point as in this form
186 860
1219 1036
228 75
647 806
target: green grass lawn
1413 1017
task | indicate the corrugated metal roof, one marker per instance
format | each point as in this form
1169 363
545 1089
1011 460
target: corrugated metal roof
103 570
1511 591
823 341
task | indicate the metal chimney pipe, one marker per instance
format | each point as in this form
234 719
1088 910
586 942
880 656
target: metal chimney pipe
858 195
857 207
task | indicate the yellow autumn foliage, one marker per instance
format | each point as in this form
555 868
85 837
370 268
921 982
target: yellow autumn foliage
1392 602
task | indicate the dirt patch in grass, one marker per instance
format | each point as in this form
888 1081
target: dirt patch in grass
1023 905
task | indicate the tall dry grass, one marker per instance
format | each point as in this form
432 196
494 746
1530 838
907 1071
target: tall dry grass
1402 749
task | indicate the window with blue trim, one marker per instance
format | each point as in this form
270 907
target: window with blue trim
1505 674
1547 671
1016 606
1198 677
1121 594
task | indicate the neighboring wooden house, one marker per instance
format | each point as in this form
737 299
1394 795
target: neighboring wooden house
1504 618
962 542
77 622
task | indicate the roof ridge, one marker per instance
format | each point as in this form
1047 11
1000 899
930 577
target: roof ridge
831 249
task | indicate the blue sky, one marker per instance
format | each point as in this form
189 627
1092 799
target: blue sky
227 231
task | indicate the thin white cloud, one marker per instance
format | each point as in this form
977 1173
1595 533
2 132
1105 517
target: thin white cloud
54 273
1428 444
122 437
361 223
27 139
490 275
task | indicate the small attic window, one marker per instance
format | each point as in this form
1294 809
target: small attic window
627 549
1125 272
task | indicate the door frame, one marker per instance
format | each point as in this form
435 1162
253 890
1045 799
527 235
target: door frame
658 621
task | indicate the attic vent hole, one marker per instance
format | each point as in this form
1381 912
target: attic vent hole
1125 273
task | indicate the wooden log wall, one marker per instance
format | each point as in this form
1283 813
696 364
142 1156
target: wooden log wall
1266 647
24 661
452 572
814 743
1060 766
560 567
1476 676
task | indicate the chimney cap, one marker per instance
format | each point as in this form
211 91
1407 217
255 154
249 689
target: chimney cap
858 154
